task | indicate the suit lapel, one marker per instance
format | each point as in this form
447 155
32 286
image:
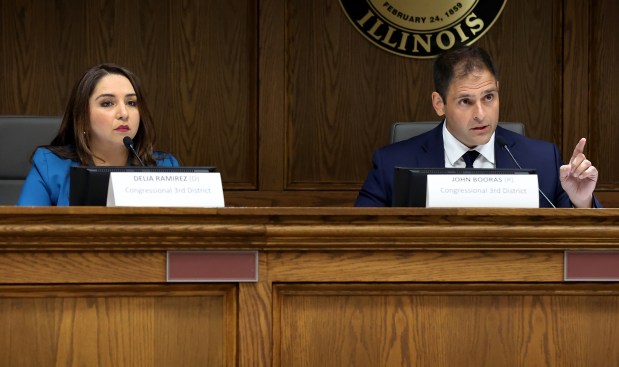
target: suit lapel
503 159
434 149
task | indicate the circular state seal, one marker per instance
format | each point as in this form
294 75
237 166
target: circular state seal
422 28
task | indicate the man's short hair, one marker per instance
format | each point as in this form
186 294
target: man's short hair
458 63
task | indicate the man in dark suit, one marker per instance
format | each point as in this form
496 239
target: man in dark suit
467 95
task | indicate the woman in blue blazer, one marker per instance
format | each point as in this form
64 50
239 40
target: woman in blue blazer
106 105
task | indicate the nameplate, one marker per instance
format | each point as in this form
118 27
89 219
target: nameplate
212 266
482 191
166 189
591 266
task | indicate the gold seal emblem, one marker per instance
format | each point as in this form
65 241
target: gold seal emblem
422 28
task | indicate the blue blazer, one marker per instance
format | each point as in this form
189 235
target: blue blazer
427 151
47 183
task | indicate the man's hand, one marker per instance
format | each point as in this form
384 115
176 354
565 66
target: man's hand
579 177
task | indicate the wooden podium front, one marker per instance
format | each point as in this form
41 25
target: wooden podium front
336 287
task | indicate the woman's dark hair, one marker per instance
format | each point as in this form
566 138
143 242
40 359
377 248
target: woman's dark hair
72 139
457 63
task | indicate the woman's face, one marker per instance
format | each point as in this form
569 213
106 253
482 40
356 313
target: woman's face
114 113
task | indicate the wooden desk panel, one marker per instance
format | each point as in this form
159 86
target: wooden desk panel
63 267
336 286
118 326
444 326
416 266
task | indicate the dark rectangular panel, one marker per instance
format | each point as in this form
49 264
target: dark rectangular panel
212 266
592 265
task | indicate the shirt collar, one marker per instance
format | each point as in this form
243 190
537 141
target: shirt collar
454 149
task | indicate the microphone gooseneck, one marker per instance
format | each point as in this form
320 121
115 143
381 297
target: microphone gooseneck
503 145
129 144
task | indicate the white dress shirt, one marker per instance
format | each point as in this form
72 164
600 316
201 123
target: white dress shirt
454 150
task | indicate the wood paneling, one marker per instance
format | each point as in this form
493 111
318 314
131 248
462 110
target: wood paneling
523 45
288 100
576 73
197 60
335 287
343 93
115 326
42 54
590 80
383 326
603 95
255 303
290 198
417 266
101 229
82 267
212 99
272 97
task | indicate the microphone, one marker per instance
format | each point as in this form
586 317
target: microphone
129 144
503 145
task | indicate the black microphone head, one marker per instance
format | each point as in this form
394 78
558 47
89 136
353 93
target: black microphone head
502 142
128 142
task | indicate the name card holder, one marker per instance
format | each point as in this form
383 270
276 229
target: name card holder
482 191
212 266
166 189
591 266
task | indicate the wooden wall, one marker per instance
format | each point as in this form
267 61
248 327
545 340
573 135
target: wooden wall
288 100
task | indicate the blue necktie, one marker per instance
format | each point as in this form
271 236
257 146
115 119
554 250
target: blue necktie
470 157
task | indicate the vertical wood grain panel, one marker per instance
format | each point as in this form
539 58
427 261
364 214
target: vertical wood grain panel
589 84
255 319
40 53
603 95
343 94
349 329
61 50
272 96
522 45
212 117
576 73
73 327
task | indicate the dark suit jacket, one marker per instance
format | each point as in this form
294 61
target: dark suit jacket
427 151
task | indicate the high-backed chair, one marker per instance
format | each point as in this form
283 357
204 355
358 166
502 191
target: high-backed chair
405 130
19 136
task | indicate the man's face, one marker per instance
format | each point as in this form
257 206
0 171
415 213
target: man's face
471 107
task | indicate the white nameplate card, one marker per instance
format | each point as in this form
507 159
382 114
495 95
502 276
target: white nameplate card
166 189
482 191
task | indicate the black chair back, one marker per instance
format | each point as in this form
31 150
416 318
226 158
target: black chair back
19 136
